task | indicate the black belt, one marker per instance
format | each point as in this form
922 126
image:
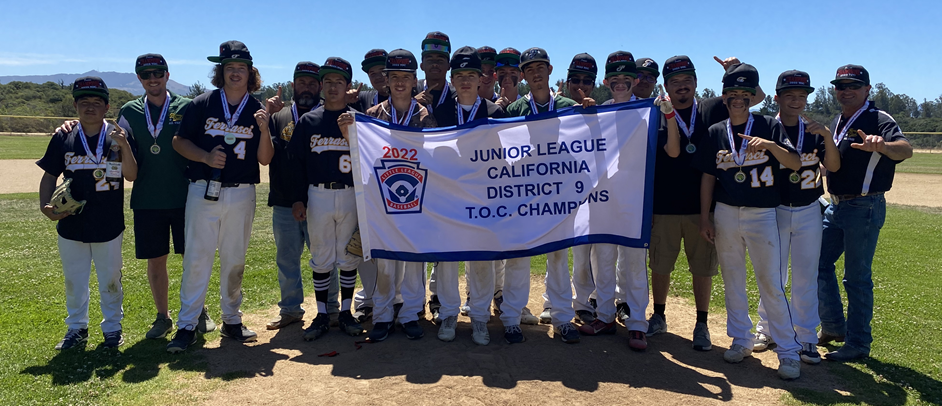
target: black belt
333 185
229 184
843 198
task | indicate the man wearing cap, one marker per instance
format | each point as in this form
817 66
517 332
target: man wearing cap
158 198
94 232
536 67
225 135
372 65
469 106
488 57
799 215
871 145
394 277
436 91
323 171
740 159
580 79
647 78
676 214
291 235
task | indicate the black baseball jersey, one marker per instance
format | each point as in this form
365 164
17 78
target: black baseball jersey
282 127
759 189
319 153
443 112
204 123
102 218
861 171
487 109
676 180
368 99
808 187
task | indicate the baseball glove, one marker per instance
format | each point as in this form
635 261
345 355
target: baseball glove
354 247
62 201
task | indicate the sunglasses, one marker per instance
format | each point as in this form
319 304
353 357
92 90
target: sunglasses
646 78
157 74
584 82
846 86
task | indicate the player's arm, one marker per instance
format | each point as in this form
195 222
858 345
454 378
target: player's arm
832 156
128 160
789 159
897 149
47 185
297 161
707 182
265 148
673 138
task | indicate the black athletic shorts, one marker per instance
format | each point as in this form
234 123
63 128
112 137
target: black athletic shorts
153 229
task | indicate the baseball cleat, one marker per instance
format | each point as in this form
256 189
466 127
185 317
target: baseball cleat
181 341
238 332
318 327
348 324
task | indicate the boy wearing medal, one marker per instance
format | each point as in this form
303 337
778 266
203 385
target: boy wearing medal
799 215
158 198
740 160
225 135
94 232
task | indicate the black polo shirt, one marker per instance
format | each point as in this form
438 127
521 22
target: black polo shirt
861 171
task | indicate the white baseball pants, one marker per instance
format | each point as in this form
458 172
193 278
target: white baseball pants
516 290
631 285
77 258
412 289
331 221
480 280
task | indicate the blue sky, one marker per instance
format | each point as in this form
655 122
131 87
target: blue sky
897 41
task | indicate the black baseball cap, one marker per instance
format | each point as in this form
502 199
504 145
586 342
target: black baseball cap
855 73
401 60
488 55
90 86
647 65
465 58
232 51
150 62
376 57
794 79
533 55
621 63
677 65
307 69
584 64
436 42
508 57
339 65
741 76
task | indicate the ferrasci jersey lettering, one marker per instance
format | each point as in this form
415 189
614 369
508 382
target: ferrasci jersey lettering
861 171
714 157
204 123
319 153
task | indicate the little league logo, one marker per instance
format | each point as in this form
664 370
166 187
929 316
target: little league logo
402 184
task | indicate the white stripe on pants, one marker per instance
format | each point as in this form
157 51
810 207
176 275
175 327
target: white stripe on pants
480 284
631 285
411 287
331 220
77 258
583 283
755 229
225 225
559 287
516 290
800 230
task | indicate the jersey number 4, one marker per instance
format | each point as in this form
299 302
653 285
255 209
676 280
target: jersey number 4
766 177
240 150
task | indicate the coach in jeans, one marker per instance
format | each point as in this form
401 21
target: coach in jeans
871 144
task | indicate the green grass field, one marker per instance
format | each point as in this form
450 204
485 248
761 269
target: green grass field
922 163
905 368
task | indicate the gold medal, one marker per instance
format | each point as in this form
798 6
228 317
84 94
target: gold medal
691 148
740 176
230 138
155 149
99 174
794 177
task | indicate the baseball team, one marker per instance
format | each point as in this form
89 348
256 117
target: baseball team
727 181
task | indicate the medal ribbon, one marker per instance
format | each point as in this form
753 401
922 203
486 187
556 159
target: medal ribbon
688 131
551 107
474 110
101 143
739 157
441 99
801 131
840 136
155 130
231 119
405 119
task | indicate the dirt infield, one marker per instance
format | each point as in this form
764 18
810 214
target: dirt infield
23 176
282 368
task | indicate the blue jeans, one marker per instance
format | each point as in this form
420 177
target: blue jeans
290 239
851 228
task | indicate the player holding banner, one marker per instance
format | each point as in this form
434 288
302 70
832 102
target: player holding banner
225 144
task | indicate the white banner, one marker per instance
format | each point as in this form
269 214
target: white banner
495 189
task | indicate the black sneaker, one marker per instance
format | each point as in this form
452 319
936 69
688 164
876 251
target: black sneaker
413 330
238 332
113 339
567 333
72 338
362 314
348 324
181 340
381 331
205 324
585 316
513 335
622 313
318 327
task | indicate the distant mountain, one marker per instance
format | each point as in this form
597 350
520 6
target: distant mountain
115 80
